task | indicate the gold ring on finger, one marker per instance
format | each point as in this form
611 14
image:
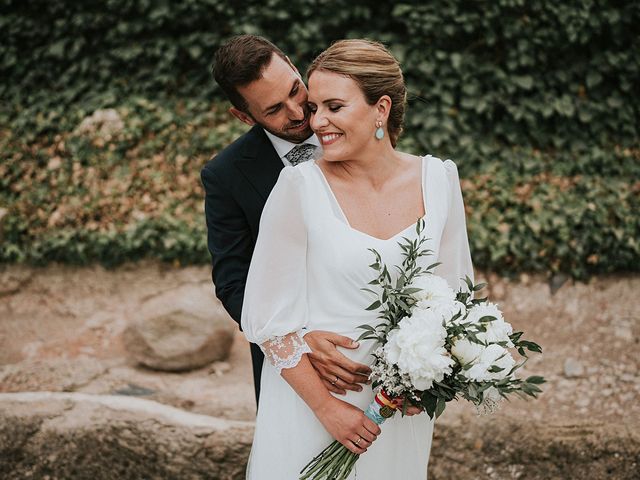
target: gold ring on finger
335 381
357 442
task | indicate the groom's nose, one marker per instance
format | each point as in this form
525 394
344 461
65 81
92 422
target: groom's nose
295 111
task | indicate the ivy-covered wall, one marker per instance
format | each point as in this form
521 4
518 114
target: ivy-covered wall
537 101
542 73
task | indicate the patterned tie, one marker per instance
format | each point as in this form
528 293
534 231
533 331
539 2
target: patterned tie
300 153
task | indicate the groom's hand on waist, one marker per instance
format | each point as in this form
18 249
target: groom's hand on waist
338 372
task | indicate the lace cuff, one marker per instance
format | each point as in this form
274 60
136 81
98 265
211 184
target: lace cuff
285 351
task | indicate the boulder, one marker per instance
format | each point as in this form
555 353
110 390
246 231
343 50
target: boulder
500 447
183 329
47 435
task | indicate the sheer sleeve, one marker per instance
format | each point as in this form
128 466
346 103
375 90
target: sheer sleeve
454 245
274 311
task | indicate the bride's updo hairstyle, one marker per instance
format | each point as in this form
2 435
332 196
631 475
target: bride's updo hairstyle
376 72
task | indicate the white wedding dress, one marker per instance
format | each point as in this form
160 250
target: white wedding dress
307 272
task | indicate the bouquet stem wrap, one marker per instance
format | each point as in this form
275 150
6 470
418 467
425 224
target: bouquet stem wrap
380 408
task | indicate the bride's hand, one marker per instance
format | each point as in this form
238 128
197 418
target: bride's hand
348 424
411 409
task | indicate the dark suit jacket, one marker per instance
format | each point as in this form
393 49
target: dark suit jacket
237 183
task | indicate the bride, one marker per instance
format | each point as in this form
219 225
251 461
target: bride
311 262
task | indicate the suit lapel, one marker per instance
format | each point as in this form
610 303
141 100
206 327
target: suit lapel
260 163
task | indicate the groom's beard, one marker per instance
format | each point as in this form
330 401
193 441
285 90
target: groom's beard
293 132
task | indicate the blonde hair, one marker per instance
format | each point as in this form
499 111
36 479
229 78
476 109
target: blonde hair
376 72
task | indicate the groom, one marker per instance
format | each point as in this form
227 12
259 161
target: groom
268 94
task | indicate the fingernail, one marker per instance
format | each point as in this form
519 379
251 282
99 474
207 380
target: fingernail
355 344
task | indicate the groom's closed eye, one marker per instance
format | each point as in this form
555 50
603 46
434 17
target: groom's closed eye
276 108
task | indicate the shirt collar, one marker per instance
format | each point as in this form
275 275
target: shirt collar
283 147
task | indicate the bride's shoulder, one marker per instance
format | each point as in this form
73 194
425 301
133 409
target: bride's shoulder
445 167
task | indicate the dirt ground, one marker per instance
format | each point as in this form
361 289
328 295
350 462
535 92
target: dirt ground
60 330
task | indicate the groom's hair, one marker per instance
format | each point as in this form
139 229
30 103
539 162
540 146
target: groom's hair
241 61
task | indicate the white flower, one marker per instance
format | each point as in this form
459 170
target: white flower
483 310
417 348
445 310
496 330
466 351
493 355
436 294
433 289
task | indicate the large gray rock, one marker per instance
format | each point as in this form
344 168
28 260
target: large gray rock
182 329
46 435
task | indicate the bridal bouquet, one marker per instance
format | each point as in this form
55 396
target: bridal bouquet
433 345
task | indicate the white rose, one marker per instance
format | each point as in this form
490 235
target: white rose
496 330
417 348
493 355
433 289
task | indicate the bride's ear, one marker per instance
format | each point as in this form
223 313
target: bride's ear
383 107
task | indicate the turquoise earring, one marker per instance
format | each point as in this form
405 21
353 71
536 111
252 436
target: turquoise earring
379 130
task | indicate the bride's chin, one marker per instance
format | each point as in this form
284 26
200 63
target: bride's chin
333 156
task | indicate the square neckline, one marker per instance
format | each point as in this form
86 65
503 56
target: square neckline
345 220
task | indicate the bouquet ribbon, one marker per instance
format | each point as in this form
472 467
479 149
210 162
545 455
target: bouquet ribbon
380 408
